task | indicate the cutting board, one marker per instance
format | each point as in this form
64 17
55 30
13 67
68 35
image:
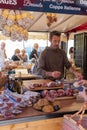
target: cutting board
65 97
27 82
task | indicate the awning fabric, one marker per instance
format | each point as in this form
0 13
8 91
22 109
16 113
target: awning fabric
82 27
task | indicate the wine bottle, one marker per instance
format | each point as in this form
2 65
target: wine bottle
20 83
12 83
7 83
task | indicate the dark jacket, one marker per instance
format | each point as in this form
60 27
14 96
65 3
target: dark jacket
34 54
15 58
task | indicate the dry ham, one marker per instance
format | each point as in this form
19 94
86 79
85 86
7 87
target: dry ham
52 84
53 93
69 92
61 92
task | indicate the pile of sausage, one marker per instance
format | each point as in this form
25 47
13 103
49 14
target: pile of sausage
50 85
52 94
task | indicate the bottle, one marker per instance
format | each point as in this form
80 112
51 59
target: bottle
7 83
12 83
20 84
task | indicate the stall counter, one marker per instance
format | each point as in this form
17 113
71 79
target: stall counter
32 119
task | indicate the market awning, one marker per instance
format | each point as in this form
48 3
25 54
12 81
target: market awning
82 27
15 24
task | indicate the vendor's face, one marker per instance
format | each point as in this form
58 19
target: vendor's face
55 41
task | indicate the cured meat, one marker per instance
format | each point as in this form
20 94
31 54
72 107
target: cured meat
49 98
53 93
60 92
45 93
52 84
31 86
34 85
44 85
69 92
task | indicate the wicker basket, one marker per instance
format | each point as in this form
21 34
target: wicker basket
71 123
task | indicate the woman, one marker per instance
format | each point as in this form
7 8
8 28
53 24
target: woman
23 55
16 56
71 52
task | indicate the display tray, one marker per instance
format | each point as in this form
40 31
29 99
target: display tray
65 97
30 114
26 84
45 88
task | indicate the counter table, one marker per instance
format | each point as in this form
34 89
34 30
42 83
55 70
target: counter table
31 119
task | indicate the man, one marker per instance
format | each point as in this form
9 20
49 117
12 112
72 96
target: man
53 60
23 55
3 55
34 53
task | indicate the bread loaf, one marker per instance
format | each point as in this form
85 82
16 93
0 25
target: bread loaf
48 108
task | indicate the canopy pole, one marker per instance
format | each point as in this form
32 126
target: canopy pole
67 36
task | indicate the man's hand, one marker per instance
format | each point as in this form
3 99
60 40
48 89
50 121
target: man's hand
56 74
82 83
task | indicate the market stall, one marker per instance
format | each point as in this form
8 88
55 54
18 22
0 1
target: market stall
31 118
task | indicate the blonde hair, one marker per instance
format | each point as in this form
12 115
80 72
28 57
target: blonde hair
23 51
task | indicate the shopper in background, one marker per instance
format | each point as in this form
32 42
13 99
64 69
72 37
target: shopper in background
71 51
16 56
34 53
53 60
3 55
71 59
23 55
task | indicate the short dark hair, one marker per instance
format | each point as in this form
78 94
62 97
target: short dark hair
71 50
54 33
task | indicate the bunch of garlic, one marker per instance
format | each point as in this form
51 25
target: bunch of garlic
18 33
15 24
6 31
11 18
51 18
